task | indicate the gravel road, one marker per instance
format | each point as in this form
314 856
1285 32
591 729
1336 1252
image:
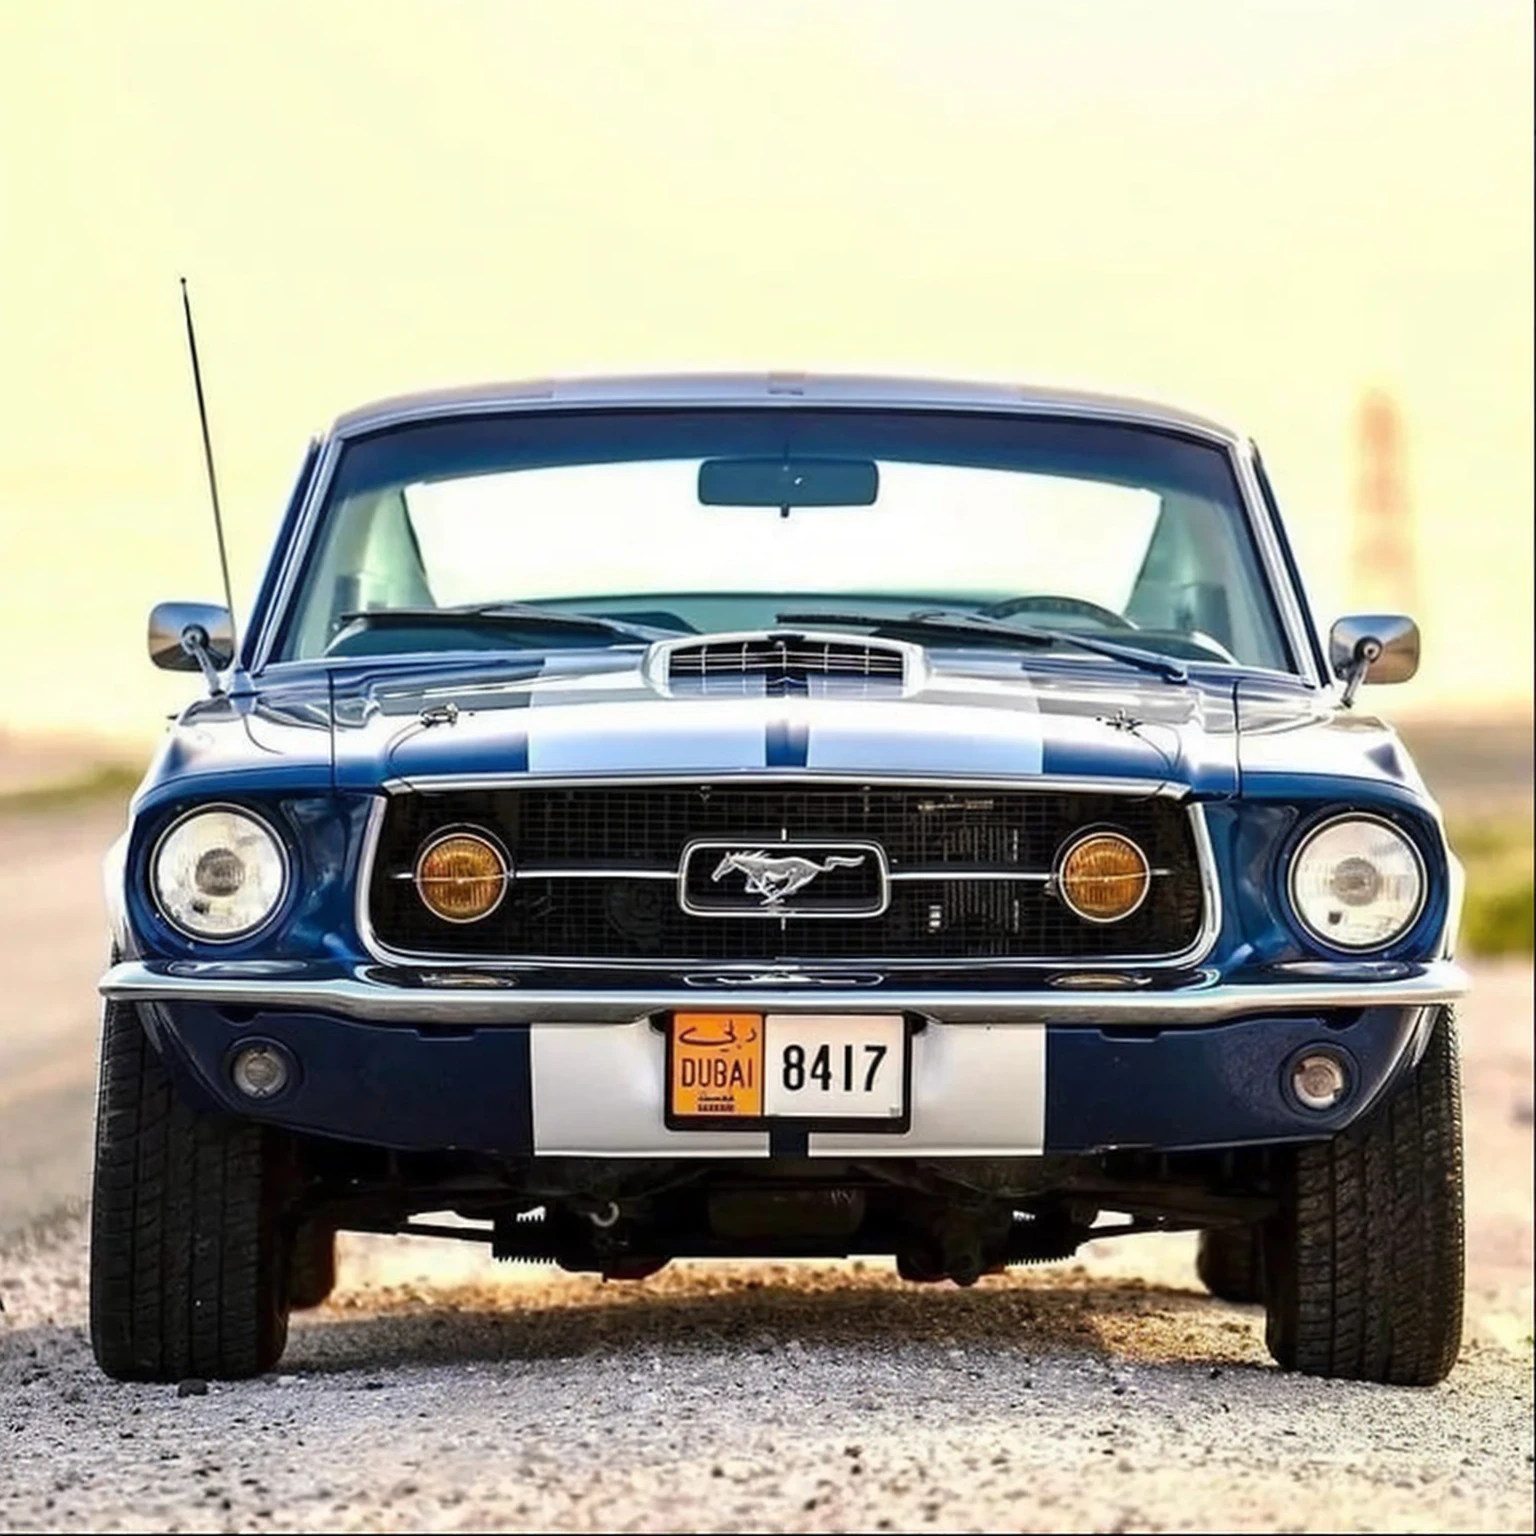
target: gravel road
436 1394
439 1390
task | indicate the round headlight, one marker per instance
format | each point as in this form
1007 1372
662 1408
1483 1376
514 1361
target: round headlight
1357 883
461 877
1103 877
219 874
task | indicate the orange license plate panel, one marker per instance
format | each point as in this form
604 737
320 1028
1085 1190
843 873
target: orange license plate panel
716 1066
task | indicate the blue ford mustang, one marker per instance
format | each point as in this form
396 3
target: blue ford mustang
757 816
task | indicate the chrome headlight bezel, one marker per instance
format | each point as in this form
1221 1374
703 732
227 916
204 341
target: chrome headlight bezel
1329 940
163 902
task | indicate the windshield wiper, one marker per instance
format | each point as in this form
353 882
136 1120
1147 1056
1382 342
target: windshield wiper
521 615
952 621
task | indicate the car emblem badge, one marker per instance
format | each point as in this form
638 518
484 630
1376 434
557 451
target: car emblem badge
774 879
720 879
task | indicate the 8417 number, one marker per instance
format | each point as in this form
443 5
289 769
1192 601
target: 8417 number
850 1068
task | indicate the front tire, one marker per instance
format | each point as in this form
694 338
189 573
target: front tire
187 1257
1364 1263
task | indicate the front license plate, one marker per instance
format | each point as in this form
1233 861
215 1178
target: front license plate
746 1069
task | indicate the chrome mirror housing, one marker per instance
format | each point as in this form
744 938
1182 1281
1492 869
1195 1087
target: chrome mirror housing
209 625
1373 648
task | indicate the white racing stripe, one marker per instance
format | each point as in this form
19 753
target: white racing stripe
730 735
705 736
912 737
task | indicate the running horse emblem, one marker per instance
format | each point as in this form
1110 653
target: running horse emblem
777 879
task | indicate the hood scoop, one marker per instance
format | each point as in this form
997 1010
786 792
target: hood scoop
782 661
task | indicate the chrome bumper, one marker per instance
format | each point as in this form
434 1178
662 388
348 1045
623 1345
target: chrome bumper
391 997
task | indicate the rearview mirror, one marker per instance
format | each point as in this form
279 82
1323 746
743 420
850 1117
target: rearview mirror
168 622
786 482
1373 648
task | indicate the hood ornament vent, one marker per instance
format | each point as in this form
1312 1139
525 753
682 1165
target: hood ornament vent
780 661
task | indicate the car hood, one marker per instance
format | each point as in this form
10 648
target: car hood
599 713
587 714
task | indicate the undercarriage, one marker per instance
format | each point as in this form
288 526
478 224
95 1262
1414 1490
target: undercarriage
940 1219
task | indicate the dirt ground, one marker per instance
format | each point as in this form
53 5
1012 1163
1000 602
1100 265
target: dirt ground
438 1390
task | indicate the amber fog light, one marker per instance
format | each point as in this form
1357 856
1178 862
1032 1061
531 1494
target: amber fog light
1103 877
461 877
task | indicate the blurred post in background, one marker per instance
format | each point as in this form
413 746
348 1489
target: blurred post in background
1384 574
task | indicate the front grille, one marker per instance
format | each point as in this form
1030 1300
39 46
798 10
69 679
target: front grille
941 845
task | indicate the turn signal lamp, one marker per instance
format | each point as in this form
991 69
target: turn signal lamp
1103 877
461 877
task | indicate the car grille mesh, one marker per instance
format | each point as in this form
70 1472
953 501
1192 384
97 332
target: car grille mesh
946 841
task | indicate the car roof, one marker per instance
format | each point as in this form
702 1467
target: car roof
772 389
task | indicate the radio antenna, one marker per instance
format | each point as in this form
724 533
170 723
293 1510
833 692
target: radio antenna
213 480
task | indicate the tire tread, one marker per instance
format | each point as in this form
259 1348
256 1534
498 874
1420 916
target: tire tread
1365 1263
185 1241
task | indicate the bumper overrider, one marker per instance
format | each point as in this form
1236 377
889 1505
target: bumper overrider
500 1064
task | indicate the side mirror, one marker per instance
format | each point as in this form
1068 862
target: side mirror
211 626
1373 648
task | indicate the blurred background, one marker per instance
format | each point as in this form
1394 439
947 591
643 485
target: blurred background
1312 219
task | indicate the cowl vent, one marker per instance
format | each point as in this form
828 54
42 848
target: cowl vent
782 661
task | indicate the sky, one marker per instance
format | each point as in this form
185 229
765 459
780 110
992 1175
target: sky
1264 211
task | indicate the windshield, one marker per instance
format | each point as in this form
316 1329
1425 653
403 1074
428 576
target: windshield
719 520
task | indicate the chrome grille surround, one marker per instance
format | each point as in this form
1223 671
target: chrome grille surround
663 879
